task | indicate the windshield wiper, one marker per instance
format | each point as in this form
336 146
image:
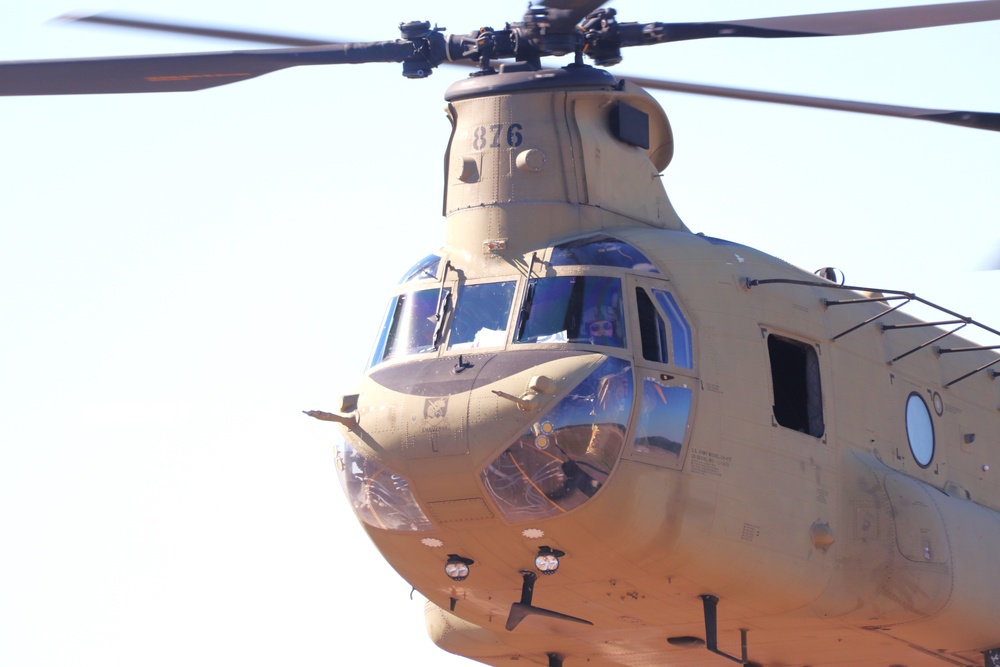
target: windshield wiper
529 294
443 306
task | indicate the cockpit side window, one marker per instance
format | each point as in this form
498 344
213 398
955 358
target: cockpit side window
410 325
652 329
481 315
664 331
680 330
573 309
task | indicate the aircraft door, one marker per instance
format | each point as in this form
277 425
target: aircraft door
663 419
664 363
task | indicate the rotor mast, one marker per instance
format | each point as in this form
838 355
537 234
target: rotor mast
537 155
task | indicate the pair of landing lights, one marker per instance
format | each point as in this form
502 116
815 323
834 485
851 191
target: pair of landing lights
546 562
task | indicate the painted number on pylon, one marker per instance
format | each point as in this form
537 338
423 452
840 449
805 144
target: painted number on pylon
493 136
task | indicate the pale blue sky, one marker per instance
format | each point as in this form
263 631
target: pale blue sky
182 274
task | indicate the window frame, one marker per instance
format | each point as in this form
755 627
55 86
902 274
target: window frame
651 284
577 271
632 451
458 286
814 349
910 436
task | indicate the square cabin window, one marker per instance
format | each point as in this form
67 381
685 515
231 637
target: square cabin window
798 395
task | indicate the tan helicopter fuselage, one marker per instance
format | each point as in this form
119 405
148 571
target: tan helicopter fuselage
801 490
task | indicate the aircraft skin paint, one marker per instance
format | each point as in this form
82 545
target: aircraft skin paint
825 549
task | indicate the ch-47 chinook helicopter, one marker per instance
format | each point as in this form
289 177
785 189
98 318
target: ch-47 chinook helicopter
590 436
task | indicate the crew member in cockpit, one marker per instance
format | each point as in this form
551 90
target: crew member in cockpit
604 326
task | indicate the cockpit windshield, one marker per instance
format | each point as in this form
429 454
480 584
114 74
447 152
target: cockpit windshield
453 315
481 315
573 309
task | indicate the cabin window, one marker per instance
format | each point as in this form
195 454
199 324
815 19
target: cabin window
919 430
481 315
573 309
798 397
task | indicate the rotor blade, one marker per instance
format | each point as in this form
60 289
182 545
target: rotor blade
860 22
180 72
121 21
979 120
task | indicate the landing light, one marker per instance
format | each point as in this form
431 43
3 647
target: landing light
547 560
457 567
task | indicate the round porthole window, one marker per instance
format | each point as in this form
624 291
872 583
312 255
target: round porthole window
919 430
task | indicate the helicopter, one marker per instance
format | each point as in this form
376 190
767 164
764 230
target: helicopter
751 635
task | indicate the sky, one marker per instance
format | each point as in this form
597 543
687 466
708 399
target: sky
182 274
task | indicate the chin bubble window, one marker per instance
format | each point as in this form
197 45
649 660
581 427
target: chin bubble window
565 457
379 497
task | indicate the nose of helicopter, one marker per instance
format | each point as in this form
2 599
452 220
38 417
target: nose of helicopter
532 433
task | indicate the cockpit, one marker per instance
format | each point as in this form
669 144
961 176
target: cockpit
570 304
598 299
